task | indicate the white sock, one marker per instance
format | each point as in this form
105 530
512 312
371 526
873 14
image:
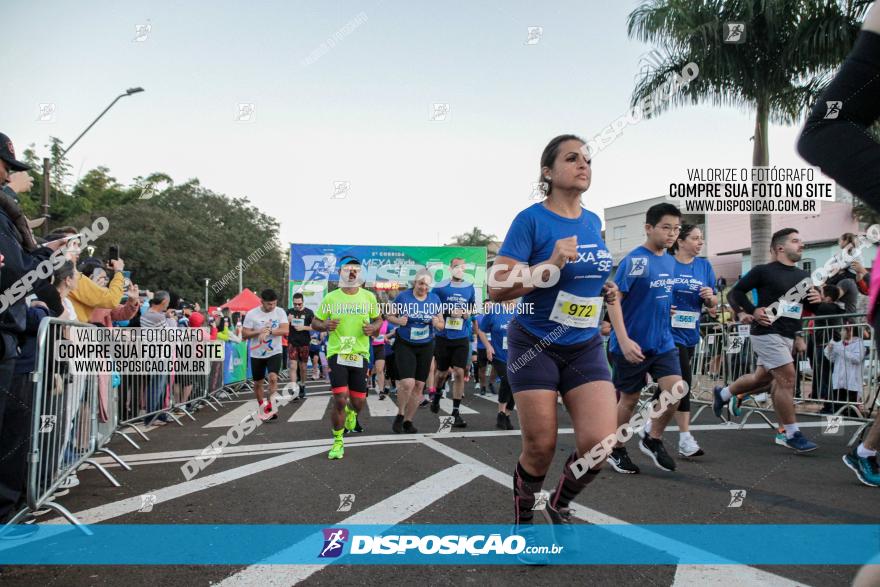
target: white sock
790 429
865 452
725 394
684 435
648 428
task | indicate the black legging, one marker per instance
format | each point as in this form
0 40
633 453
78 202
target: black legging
841 146
505 395
685 361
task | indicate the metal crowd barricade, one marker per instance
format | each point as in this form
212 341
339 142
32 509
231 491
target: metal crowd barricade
145 397
66 429
190 391
837 374
76 414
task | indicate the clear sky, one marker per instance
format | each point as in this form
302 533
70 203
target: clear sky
360 112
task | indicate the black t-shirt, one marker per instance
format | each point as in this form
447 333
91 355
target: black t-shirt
772 281
299 338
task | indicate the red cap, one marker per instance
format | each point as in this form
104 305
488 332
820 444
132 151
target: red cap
196 320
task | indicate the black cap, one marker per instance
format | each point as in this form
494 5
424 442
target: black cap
7 153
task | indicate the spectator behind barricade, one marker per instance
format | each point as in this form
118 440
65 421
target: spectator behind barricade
102 316
822 332
225 333
846 353
157 316
183 313
21 255
89 295
16 433
848 275
196 319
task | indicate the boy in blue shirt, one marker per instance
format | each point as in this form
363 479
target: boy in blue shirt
645 278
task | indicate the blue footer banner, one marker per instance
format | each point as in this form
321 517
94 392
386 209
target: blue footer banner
577 544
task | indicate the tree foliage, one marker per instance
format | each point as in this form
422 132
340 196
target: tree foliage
474 238
170 236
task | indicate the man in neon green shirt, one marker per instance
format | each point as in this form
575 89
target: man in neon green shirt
351 315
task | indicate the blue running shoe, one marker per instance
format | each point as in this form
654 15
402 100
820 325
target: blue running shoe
866 469
801 443
736 405
718 404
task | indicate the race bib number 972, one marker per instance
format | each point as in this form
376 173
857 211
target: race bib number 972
576 311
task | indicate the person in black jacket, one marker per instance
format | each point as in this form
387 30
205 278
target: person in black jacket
21 256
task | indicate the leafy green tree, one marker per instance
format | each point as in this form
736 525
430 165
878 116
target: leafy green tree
182 235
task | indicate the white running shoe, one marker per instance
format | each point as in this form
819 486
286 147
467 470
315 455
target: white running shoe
688 447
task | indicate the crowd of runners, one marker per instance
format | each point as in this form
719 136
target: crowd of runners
592 343
587 341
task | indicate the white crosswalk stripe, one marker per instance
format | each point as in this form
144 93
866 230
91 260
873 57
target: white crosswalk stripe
392 510
491 397
312 408
233 417
381 408
446 406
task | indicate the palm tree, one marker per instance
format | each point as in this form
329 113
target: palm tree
474 238
790 49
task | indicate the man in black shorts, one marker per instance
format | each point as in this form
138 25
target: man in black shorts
263 328
452 345
300 319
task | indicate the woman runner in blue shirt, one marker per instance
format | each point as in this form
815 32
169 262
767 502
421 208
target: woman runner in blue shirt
556 347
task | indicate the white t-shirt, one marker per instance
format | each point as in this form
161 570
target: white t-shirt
257 319
69 311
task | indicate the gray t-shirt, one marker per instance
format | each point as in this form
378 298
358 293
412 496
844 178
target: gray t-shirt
850 296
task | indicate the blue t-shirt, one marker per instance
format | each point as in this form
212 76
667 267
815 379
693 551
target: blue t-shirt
496 323
462 295
646 281
389 340
689 279
419 329
531 240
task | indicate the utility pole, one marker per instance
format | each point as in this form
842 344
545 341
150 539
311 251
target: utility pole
47 164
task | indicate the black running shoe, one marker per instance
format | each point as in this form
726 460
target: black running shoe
499 421
556 516
408 428
654 448
425 403
302 392
435 403
563 525
508 425
397 426
458 422
620 462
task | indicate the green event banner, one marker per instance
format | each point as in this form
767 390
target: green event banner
314 266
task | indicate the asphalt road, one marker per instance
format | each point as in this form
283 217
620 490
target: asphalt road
279 474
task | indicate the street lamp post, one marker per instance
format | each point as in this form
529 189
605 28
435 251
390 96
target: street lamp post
47 165
207 301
